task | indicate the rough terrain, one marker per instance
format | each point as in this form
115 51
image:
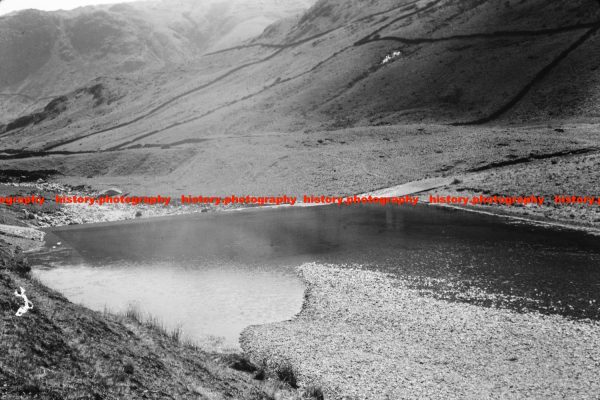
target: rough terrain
367 335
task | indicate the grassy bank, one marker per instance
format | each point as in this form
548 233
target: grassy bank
60 350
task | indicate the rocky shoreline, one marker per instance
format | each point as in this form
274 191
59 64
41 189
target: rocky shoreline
51 214
366 335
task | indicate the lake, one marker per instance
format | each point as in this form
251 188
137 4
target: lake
214 274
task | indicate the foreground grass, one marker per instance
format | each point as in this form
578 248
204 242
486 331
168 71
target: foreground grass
60 350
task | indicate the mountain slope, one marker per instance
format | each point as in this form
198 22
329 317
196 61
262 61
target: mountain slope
353 63
46 54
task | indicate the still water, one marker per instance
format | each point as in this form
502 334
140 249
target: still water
214 274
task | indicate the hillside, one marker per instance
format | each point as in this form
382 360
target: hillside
348 97
353 64
46 54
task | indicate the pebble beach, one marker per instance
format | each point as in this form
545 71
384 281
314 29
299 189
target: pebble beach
366 335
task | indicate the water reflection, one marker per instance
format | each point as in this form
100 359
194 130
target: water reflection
446 254
211 303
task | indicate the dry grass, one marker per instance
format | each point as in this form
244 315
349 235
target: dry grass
176 334
284 387
61 350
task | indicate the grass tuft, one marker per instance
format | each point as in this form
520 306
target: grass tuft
285 373
314 392
149 321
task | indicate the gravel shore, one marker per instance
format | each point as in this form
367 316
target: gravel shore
365 335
